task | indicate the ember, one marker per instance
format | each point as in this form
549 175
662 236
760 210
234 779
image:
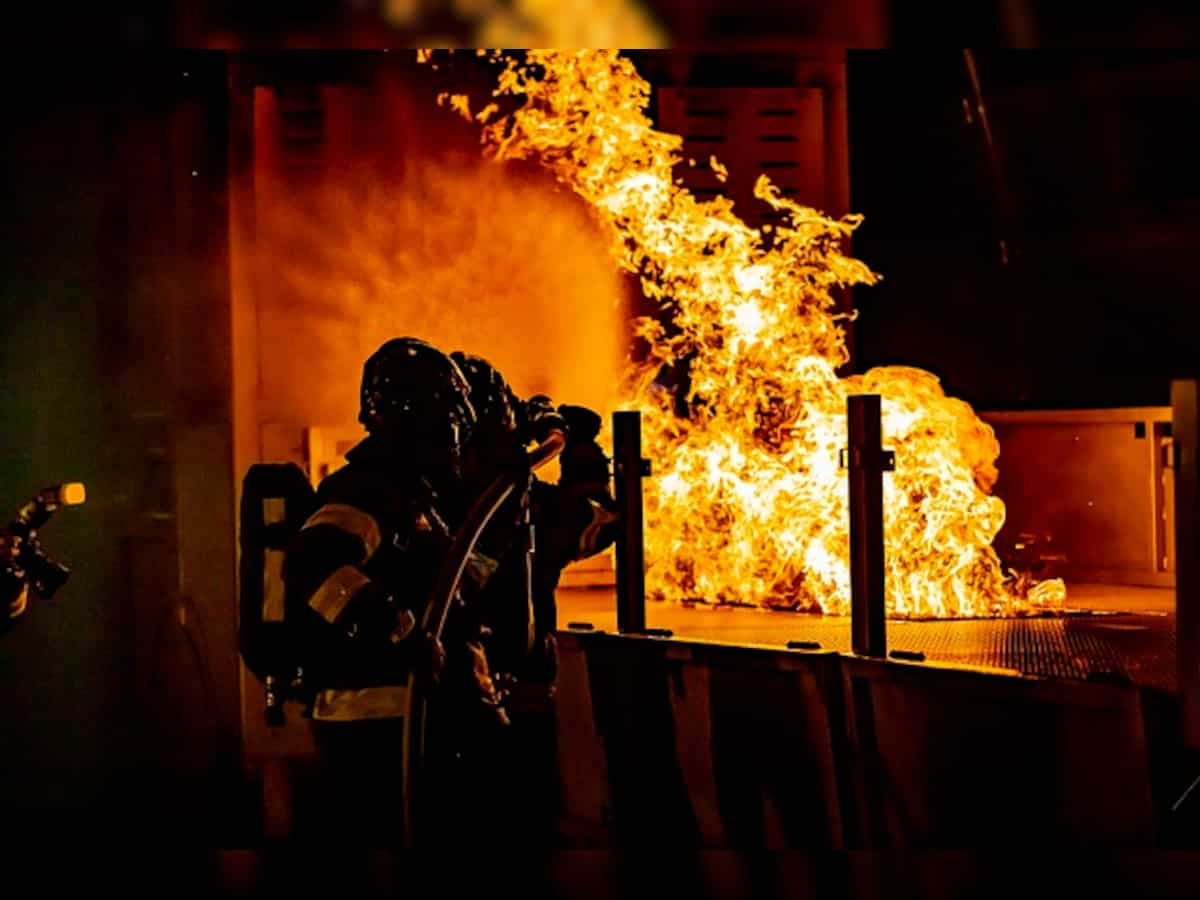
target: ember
748 503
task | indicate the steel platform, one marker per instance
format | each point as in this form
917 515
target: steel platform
1110 632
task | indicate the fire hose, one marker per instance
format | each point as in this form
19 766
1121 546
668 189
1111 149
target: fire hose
441 598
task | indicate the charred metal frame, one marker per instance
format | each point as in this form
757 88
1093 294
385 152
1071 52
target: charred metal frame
866 461
629 468
1185 431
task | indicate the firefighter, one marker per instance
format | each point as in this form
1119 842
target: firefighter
359 572
539 531
549 525
498 444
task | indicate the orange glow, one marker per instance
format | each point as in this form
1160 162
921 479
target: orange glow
544 23
73 493
748 503
460 253
570 23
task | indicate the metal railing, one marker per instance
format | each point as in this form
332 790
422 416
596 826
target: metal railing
865 461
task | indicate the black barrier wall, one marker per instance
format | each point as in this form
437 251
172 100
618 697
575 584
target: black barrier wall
706 745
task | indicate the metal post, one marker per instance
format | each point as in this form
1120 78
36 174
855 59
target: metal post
866 461
628 470
1185 432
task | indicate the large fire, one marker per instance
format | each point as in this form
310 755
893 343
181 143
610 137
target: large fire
748 503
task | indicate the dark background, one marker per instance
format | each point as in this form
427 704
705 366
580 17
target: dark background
113 372
1094 195
855 24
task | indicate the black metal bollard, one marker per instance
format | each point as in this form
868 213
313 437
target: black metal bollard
629 468
1185 445
866 461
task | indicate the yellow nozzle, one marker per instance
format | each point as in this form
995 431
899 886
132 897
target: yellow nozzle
72 493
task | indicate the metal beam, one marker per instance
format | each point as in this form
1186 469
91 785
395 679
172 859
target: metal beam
1185 408
628 470
866 461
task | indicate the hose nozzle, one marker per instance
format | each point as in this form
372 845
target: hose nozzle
73 493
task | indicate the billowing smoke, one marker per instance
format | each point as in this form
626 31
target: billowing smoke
463 253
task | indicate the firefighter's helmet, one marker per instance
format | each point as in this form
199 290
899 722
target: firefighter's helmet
411 391
497 408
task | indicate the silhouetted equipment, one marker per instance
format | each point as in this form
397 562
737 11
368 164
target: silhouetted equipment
44 574
276 501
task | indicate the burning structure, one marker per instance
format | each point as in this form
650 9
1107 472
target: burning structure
749 505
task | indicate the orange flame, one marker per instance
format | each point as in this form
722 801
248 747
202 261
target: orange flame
748 503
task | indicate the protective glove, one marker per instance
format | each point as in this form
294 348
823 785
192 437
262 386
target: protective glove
541 418
583 463
582 423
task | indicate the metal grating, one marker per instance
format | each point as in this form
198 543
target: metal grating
1138 647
